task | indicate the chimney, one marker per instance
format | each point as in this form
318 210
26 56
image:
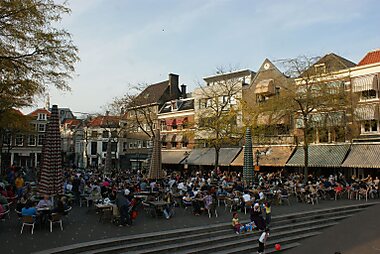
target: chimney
173 85
107 113
183 91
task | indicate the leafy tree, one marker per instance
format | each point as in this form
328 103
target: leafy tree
34 53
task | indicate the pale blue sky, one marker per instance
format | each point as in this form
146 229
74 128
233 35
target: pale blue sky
125 42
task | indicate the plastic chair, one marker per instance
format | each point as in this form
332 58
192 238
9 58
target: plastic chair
28 221
55 218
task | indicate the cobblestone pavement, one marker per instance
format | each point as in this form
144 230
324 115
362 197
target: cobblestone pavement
82 225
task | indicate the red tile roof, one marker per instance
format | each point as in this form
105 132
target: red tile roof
40 110
104 121
71 122
371 57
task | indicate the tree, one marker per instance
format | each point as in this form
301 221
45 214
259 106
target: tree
12 124
220 110
314 96
33 52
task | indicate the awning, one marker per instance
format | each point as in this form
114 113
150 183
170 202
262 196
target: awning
179 121
363 156
367 112
173 157
274 156
365 83
320 156
265 86
206 156
169 122
179 138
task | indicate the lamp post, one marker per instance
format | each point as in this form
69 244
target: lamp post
257 157
186 165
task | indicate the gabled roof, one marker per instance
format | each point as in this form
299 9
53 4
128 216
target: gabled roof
228 75
40 111
151 94
370 58
104 121
333 63
71 122
181 104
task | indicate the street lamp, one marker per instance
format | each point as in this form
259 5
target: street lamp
186 165
257 157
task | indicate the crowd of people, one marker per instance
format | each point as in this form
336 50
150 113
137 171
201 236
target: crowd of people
199 191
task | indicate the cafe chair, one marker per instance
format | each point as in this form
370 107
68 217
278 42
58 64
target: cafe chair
28 221
55 218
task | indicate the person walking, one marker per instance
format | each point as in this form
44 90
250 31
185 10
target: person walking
262 241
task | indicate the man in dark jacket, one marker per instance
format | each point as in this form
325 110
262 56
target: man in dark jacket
123 204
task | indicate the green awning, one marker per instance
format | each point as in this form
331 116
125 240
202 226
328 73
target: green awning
320 156
363 156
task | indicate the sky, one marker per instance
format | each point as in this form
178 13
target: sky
125 42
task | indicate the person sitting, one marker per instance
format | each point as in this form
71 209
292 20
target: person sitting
29 210
61 206
235 223
45 202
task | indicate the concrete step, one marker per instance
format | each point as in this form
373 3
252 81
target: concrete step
202 235
170 236
213 244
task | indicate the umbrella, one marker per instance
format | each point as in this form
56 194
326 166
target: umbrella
155 169
248 159
51 173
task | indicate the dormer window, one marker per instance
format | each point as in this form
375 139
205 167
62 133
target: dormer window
41 116
320 68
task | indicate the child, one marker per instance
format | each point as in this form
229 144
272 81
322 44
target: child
262 241
268 213
235 223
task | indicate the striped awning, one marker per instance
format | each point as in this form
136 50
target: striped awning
265 86
173 157
206 156
273 156
320 156
363 156
367 112
365 83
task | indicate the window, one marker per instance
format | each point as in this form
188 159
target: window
130 145
209 102
40 139
164 144
320 68
368 94
106 134
41 127
163 126
261 98
104 146
114 134
19 140
32 140
94 148
185 144
277 91
41 116
202 103
370 126
174 144
144 143
125 145
7 138
94 134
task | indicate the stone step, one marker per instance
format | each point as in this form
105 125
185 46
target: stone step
201 235
219 228
213 244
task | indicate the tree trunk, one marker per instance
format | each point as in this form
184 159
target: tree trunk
216 162
108 162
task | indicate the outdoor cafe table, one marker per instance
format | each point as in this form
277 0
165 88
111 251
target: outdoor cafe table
158 207
103 209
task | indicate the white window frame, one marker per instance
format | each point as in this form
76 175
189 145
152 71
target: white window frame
34 140
18 138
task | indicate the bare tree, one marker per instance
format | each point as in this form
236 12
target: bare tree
314 96
220 110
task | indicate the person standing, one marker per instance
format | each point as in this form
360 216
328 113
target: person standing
262 241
